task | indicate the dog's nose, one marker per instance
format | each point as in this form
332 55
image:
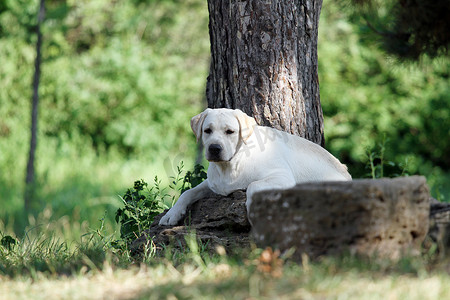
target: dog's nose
214 149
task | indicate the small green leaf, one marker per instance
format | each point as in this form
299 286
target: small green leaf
8 242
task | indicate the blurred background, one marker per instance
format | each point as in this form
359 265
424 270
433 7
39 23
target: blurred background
121 79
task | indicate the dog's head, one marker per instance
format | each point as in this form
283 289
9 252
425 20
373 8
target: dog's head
221 131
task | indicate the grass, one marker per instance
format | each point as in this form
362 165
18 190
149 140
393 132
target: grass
189 283
227 280
44 266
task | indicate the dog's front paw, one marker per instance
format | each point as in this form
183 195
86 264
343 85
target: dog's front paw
171 217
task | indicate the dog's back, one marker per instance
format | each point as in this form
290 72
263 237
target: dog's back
307 160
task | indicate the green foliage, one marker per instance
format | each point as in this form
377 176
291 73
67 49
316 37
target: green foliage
120 81
7 242
139 210
142 204
380 166
408 28
112 74
366 94
125 75
193 178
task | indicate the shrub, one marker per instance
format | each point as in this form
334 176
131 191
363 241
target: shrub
143 204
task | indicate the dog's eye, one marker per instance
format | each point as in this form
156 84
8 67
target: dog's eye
229 131
207 131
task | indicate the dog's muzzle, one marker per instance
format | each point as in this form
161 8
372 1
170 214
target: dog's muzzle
214 151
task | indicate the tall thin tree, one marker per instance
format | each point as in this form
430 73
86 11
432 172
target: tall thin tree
30 175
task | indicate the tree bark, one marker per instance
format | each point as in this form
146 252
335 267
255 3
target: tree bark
264 62
30 176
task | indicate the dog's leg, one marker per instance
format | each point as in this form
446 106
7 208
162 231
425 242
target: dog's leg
275 181
179 209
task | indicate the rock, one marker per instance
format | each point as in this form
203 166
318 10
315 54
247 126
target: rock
216 220
385 217
364 216
439 232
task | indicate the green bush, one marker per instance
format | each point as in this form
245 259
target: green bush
367 95
143 204
138 212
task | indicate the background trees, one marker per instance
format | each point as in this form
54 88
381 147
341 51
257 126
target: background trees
408 28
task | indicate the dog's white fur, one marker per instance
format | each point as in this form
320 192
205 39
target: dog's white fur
244 155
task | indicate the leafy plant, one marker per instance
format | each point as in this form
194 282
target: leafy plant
8 242
139 210
193 178
381 167
143 204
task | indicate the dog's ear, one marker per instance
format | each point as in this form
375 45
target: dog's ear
197 123
246 124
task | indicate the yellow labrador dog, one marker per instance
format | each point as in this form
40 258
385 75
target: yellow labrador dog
243 155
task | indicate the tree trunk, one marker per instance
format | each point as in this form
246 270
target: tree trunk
264 62
30 181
